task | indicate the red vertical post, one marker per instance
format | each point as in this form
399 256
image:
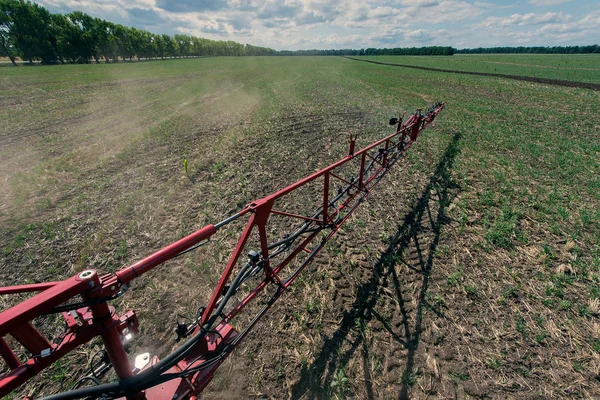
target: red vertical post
325 197
387 145
112 340
362 170
352 144
264 248
264 244
262 216
110 336
416 126
399 126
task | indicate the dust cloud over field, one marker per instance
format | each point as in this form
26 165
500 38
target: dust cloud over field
61 129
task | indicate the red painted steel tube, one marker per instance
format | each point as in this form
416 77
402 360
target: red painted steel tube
225 277
8 355
342 179
416 127
260 287
35 306
337 227
264 248
31 338
25 371
287 214
34 287
105 324
127 274
375 159
299 248
288 283
325 197
112 340
387 145
317 174
362 169
352 145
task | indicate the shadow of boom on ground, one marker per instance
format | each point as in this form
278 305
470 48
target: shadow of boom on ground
412 250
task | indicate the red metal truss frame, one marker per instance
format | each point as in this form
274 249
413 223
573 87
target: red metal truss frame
185 372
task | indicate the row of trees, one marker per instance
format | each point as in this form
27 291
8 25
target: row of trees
31 32
398 51
445 51
412 51
533 50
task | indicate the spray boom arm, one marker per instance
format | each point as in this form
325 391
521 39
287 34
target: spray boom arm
260 280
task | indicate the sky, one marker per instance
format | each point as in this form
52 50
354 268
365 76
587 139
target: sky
356 24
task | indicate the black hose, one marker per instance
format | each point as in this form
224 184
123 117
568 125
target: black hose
155 374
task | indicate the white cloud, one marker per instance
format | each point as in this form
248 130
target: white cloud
548 2
534 32
399 37
419 3
294 24
454 11
525 19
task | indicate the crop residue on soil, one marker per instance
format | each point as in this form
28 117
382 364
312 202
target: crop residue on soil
473 270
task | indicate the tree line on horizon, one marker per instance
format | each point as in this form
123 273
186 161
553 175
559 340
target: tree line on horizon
30 32
594 48
397 51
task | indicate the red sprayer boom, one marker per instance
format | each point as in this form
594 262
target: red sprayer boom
284 241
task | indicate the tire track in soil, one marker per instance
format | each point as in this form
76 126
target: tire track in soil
547 81
415 243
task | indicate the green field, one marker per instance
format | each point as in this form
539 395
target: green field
570 67
473 270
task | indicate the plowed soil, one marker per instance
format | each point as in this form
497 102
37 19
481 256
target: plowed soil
472 271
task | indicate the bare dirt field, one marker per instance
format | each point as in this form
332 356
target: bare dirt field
472 271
